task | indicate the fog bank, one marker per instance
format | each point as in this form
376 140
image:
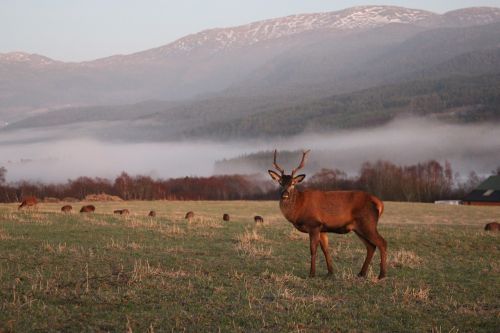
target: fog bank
404 141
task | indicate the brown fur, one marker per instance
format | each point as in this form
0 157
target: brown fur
152 213
493 226
66 209
189 215
28 202
258 219
122 211
88 209
226 217
319 212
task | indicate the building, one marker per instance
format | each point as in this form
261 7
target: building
486 194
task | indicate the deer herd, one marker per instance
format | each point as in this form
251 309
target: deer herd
314 212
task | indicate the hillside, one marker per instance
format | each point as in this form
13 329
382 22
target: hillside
457 99
306 55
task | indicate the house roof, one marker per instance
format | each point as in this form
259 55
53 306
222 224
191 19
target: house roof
483 196
492 183
487 191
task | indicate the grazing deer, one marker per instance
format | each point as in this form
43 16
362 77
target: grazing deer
152 213
189 216
122 211
66 209
319 212
28 202
88 209
492 226
225 217
258 219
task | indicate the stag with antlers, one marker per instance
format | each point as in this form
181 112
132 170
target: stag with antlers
319 212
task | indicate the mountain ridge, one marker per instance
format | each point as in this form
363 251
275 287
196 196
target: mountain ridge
345 19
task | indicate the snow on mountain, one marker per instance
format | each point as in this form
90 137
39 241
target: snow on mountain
351 19
356 18
22 57
347 20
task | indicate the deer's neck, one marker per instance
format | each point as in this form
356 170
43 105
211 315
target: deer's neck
289 207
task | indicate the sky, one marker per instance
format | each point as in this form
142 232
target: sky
77 30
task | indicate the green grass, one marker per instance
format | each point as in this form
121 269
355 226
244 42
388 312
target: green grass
102 272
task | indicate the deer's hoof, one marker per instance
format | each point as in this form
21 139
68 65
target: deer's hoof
381 276
361 275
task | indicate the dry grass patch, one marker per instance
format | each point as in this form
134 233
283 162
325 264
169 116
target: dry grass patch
113 244
420 294
411 295
143 270
53 248
93 219
282 278
28 217
203 221
405 258
247 244
172 231
4 235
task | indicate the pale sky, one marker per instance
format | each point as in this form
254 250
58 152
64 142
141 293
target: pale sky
76 30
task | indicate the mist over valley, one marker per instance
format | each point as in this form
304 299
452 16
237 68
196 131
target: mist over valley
403 141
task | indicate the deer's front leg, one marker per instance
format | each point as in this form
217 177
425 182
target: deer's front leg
314 237
323 241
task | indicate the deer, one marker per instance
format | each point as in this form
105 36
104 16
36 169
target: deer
87 209
258 219
152 213
66 209
492 226
226 217
320 212
189 216
121 212
28 202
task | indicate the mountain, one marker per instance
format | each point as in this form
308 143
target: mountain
229 82
215 60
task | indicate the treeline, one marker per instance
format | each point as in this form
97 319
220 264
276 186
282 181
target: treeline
422 182
232 187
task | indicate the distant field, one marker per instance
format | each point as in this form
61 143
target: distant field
102 272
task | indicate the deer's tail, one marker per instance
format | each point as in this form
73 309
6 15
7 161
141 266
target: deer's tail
379 205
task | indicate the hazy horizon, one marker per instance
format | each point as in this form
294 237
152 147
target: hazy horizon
124 27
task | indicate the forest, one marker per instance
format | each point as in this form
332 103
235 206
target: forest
456 99
423 182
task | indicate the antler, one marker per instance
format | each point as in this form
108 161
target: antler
302 162
275 164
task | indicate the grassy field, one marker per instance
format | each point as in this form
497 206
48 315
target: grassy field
102 272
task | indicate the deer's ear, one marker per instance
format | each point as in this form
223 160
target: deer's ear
274 175
298 179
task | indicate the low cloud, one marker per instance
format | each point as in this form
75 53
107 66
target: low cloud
404 141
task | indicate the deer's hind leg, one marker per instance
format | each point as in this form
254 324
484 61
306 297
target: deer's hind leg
370 251
367 229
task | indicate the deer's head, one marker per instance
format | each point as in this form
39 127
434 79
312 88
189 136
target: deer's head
287 182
